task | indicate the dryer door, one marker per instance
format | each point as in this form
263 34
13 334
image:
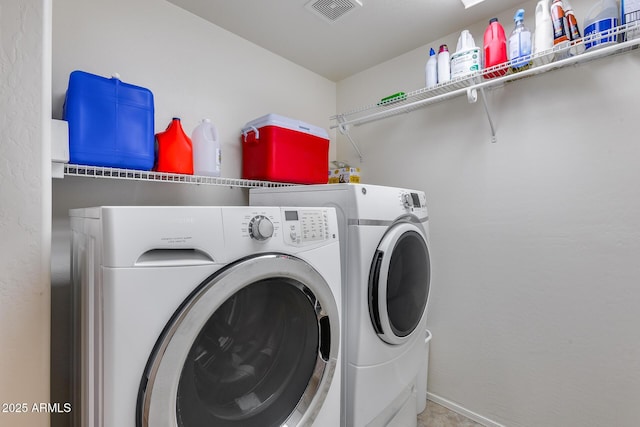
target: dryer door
255 345
399 282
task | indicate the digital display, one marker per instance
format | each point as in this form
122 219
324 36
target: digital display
290 215
416 200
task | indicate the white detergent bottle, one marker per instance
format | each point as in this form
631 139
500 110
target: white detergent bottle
432 69
207 156
466 60
543 36
601 19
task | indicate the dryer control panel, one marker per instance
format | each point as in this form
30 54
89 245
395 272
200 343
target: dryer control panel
413 201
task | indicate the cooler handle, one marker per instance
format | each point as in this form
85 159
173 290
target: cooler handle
246 131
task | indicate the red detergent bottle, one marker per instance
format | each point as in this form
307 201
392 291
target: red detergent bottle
174 151
495 49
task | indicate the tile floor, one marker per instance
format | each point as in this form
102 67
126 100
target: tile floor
438 416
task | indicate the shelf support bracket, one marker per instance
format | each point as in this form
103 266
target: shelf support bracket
345 131
486 109
472 95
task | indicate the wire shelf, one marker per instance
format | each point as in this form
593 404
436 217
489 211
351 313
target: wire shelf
138 175
559 56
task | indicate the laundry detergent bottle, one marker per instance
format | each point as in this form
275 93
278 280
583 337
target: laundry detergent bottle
431 69
601 18
174 151
520 44
495 49
466 60
207 156
543 35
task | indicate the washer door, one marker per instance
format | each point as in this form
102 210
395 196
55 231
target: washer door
399 282
254 345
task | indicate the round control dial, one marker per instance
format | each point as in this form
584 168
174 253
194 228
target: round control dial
407 202
260 228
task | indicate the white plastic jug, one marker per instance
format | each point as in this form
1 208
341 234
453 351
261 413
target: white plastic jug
465 41
601 18
466 60
543 35
207 156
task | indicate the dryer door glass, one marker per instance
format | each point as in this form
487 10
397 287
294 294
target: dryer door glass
252 346
399 283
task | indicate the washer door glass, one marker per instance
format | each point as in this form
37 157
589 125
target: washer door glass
399 283
245 351
253 359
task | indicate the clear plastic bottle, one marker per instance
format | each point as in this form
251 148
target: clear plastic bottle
432 69
207 156
520 44
444 64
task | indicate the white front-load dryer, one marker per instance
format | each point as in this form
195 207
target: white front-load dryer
386 280
207 316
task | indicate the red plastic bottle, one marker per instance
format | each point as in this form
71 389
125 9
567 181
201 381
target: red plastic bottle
495 49
174 151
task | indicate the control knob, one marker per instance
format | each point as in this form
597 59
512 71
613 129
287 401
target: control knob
260 228
407 202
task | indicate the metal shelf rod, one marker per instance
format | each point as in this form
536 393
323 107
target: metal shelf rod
476 81
151 176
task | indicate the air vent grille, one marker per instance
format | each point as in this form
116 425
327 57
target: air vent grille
332 10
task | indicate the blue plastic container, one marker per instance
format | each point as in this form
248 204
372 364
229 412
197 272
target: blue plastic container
111 123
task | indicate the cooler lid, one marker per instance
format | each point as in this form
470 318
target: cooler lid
287 123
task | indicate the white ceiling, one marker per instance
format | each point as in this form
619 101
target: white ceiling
369 35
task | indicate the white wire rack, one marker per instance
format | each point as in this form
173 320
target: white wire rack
558 57
137 175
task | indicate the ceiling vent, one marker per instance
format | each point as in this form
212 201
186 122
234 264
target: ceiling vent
332 10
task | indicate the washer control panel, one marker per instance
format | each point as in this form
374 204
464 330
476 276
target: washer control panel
305 225
293 226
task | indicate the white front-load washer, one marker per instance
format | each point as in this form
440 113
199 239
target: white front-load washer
386 279
207 316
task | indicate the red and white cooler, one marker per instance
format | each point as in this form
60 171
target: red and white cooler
277 148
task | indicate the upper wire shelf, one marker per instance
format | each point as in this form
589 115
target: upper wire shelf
138 175
559 56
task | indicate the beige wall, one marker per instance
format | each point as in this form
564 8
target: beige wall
25 210
535 239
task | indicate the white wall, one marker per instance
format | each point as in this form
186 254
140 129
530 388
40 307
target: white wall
25 209
195 70
535 239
